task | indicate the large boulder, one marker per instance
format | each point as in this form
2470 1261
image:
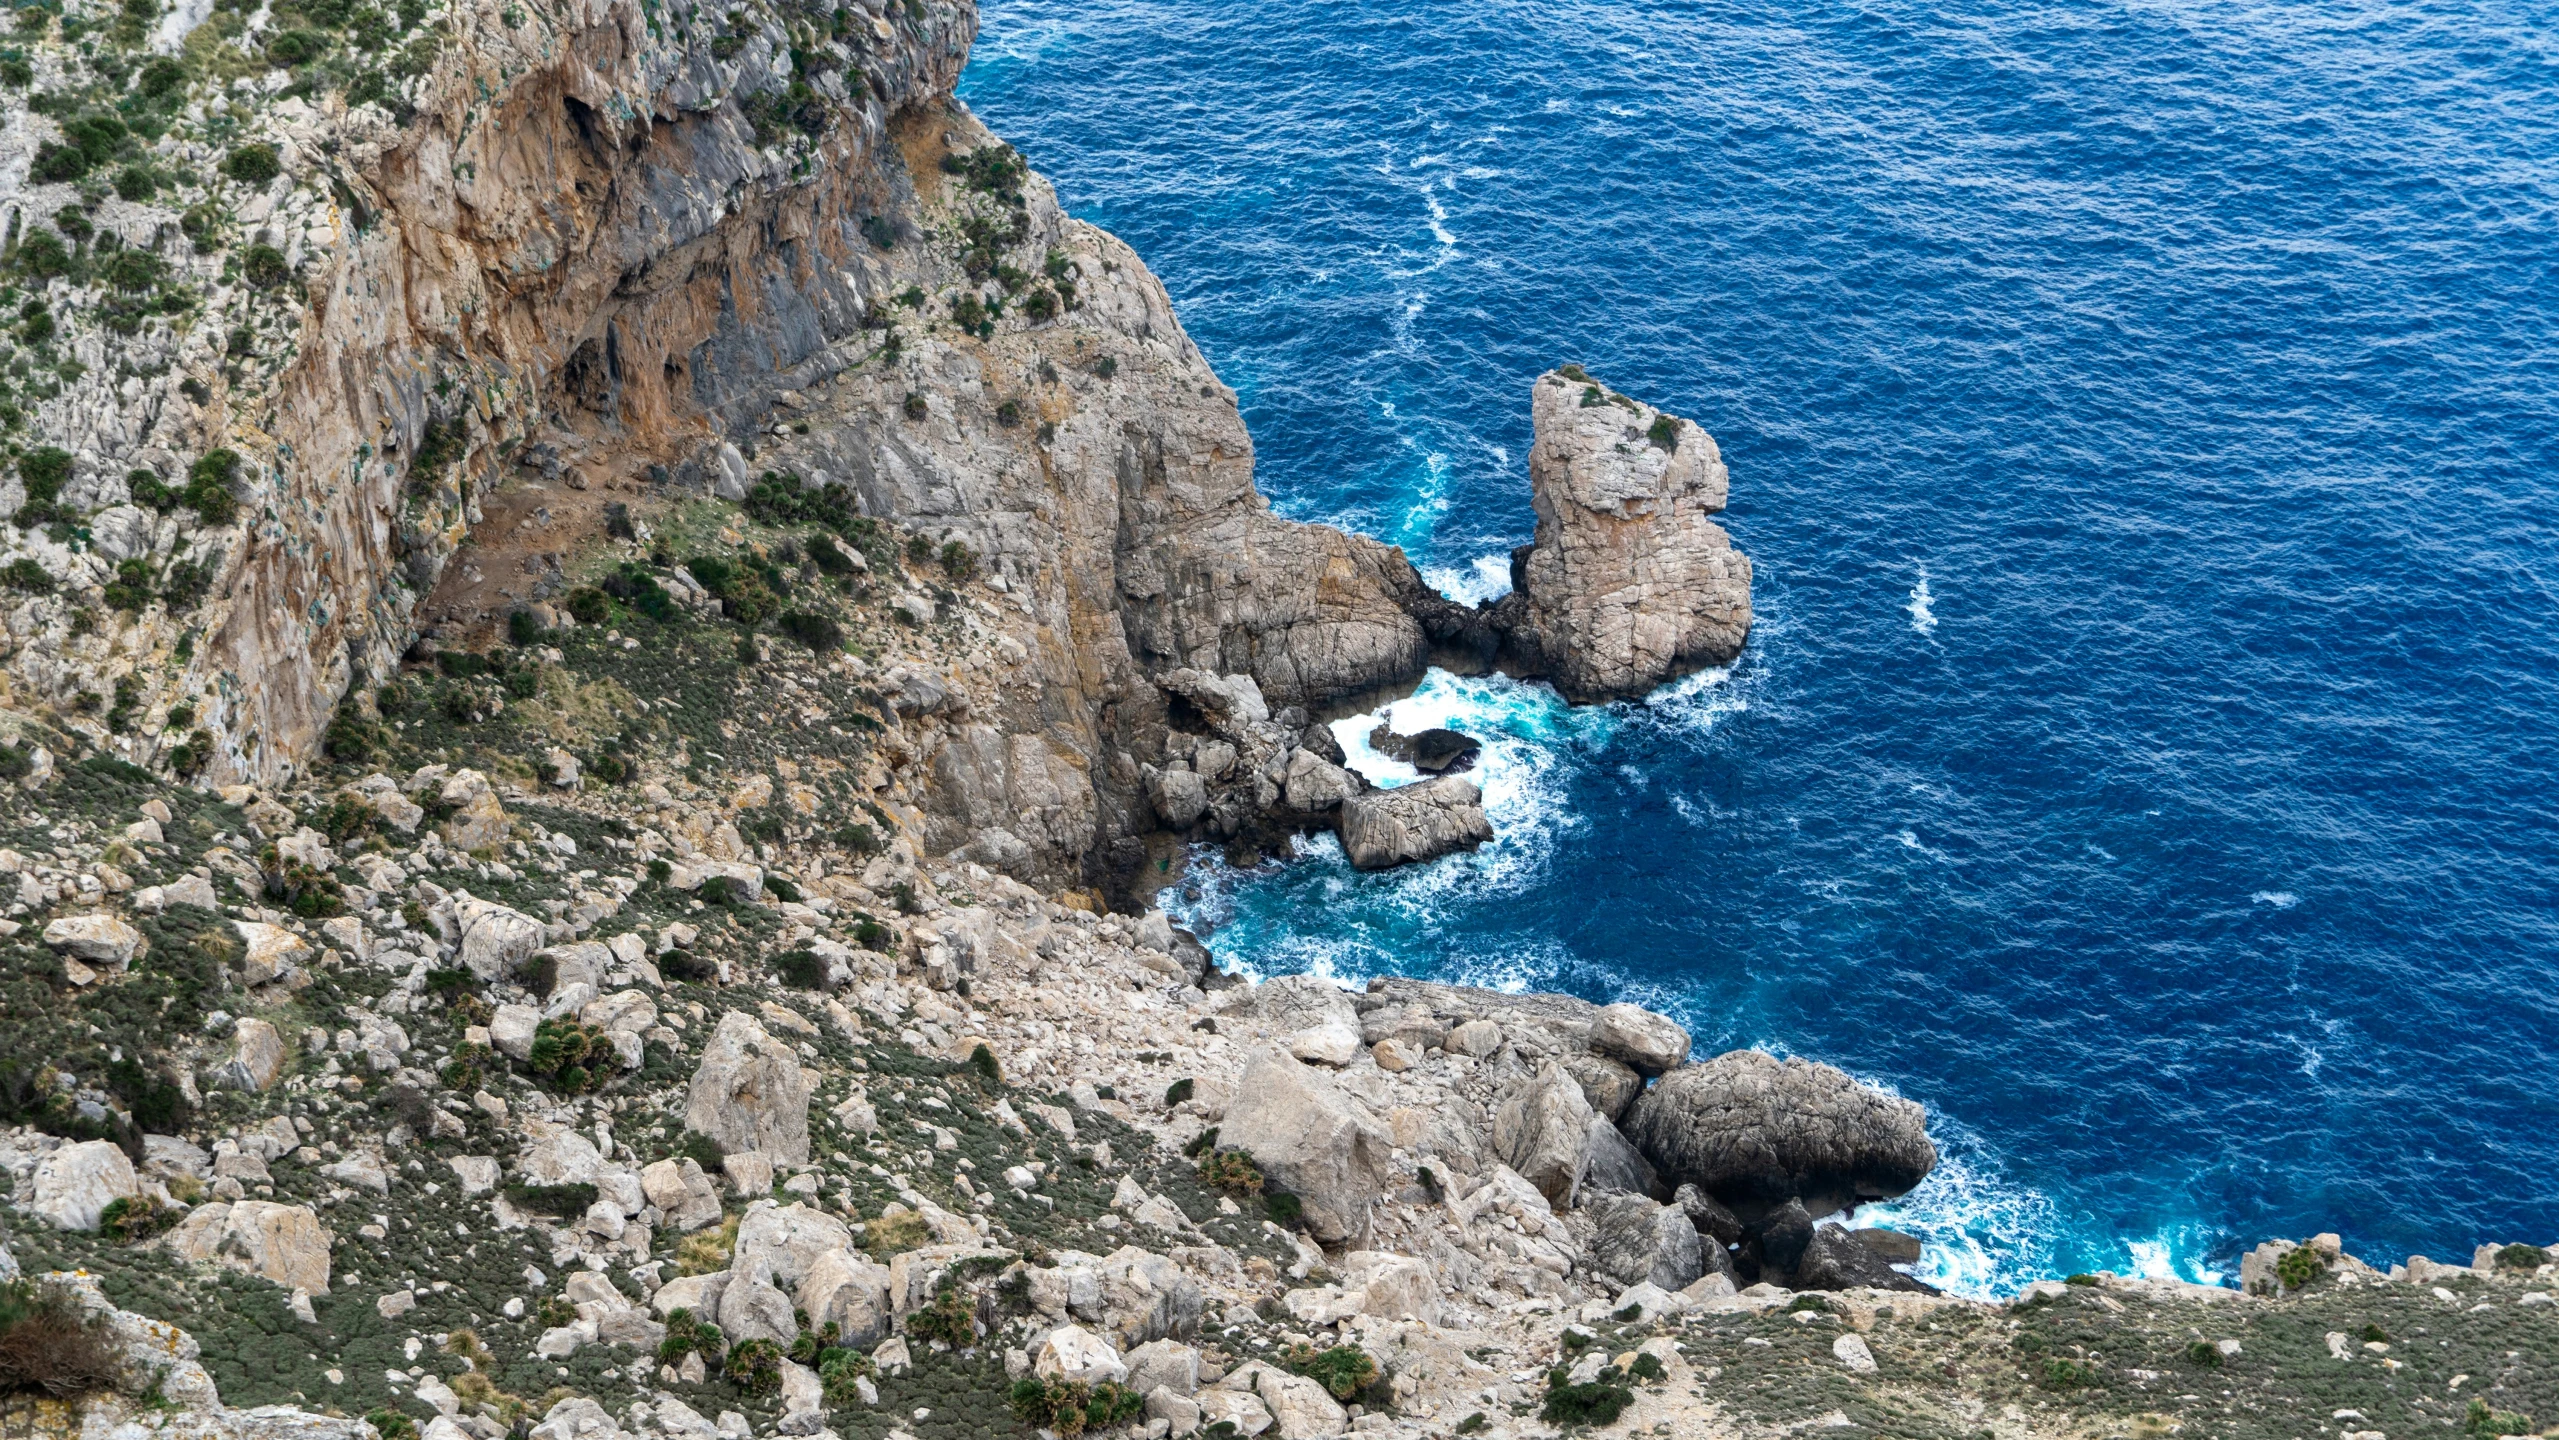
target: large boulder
476 820
1637 1242
1648 1043
1609 1085
257 1057
1410 823
101 940
1628 582
1301 1408
1541 1128
1312 1140
1614 1163
75 1184
1835 1259
285 1244
494 939
781 1244
749 1092
852 1290
1753 1130
1309 1014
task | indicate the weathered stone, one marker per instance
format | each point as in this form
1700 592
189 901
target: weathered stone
478 821
1648 1043
269 952
1163 1365
286 1244
1310 1139
1835 1259
494 939
749 1092
100 939
1615 1164
74 1184
851 1290
1708 1215
1748 1127
1541 1128
258 1054
1301 1409
1609 1085
1638 1241
1412 823
1628 583
1071 1352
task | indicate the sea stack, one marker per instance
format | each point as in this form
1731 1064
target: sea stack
1628 584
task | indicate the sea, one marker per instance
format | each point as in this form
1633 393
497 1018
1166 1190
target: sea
2144 421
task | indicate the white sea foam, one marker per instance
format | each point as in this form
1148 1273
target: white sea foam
1486 577
2280 899
1923 612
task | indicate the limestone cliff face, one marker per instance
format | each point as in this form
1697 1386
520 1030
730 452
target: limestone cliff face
1628 583
580 242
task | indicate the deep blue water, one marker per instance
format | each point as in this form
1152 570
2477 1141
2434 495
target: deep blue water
2143 421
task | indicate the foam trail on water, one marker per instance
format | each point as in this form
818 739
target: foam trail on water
1486 577
1923 607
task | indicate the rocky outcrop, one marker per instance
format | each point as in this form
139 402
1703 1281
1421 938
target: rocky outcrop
1755 1131
285 1244
75 1184
1629 583
1640 1242
1384 828
749 1092
1312 1140
1541 1128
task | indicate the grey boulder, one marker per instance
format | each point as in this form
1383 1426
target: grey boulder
1638 1242
1412 823
1753 1130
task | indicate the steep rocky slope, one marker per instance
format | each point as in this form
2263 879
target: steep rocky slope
613 616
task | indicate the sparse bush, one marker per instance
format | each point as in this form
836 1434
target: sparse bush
566 1202
707 1253
982 1062
132 1219
209 487
2060 1372
1593 1402
800 969
1286 1210
894 1234
391 1425
840 1371
1665 433
2298 1267
307 891
958 561
252 165
574 1057
754 1366
1345 1370
1177 1092
25 574
2482 1419
822 635
2522 1257
587 606
1230 1172
46 1345
859 838
2204 1353
1071 1407
950 1319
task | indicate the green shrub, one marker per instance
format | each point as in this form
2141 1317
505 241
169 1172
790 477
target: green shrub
2063 1373
45 470
1648 1368
754 1366
130 590
1345 1370
567 1202
1665 432
870 934
839 1371
307 891
859 838
588 606
264 267
801 969
134 183
950 1319
131 1219
1177 1092
685 1335
1071 1407
46 1345
1230 1172
2298 1267
572 1056
2082 1279
2204 1353
822 635
2522 1257
2482 1419
25 574
1593 1402
391 1425
895 1234
296 47
209 487
252 165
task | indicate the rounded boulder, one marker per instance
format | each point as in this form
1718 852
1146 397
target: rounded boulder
1751 1129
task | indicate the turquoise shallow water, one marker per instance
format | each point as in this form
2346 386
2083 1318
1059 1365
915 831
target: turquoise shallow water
2142 419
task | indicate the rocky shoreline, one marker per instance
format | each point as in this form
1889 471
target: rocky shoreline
607 643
